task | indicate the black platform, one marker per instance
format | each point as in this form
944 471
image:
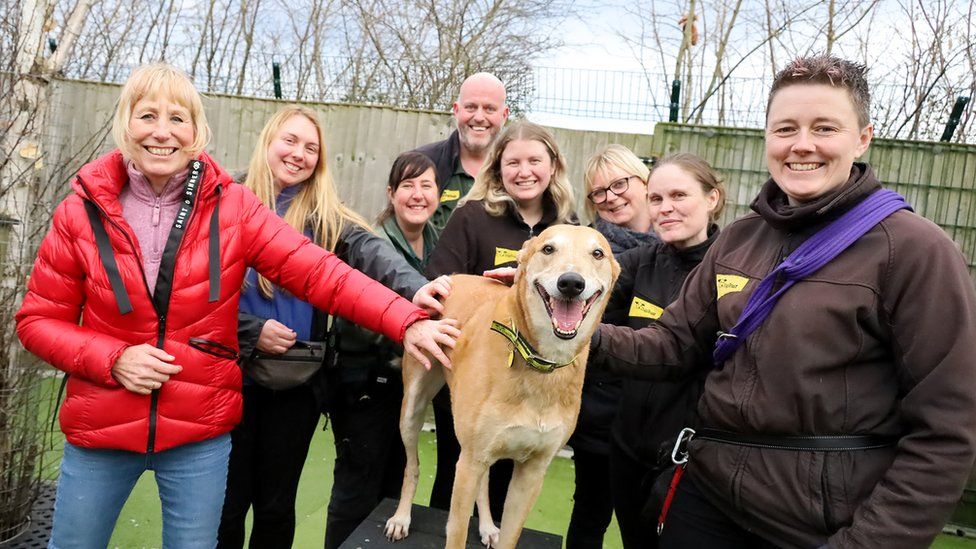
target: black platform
427 528
36 534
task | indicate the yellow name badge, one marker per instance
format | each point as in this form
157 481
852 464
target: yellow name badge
504 255
645 309
450 195
728 284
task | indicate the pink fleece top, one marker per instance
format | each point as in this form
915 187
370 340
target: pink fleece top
151 216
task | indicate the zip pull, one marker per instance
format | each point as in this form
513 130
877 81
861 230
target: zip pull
155 216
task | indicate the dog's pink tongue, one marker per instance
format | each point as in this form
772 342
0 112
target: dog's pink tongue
567 313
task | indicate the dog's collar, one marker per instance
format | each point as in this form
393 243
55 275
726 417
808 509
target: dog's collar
525 350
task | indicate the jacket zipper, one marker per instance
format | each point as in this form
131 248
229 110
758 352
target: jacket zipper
161 319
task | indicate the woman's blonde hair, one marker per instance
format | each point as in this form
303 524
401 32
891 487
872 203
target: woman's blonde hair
488 184
703 172
159 81
317 204
611 156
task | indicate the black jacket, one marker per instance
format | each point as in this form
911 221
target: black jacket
475 241
445 155
650 414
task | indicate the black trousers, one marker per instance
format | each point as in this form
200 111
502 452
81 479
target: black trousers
592 501
630 487
448 452
268 451
370 458
693 521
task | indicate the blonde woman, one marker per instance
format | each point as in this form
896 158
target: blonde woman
150 348
520 191
288 172
615 180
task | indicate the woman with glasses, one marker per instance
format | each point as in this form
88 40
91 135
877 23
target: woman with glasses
616 184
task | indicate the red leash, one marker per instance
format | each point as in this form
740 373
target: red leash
672 488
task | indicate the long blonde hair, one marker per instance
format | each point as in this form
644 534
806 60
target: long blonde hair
488 184
317 204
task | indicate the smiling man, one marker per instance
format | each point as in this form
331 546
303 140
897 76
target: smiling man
480 112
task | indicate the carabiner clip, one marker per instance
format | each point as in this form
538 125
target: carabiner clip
679 455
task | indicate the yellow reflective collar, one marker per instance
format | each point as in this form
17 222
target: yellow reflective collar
525 350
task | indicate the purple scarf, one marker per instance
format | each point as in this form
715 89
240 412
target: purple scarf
808 258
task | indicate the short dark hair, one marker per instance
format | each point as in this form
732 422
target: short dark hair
407 166
832 71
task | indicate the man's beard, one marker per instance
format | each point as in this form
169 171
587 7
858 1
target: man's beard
476 147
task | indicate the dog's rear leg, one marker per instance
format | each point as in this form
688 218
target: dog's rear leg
523 490
486 526
468 477
419 387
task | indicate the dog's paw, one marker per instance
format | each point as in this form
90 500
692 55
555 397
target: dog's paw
397 528
489 533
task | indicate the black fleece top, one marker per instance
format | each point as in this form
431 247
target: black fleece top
475 241
650 414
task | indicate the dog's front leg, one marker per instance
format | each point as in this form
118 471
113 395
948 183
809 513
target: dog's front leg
468 477
523 490
486 524
419 387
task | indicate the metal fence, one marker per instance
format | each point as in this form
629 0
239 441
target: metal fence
583 94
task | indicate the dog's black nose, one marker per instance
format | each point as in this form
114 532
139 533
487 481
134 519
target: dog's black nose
570 284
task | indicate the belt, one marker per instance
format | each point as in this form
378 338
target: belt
827 443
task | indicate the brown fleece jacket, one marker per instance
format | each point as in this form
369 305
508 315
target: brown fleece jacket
879 341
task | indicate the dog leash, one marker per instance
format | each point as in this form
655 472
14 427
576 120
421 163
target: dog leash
525 350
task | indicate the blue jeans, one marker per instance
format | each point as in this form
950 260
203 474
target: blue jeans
94 485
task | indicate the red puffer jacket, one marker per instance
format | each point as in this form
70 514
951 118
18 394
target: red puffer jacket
194 316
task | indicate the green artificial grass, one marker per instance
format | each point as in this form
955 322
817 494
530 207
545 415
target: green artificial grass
140 524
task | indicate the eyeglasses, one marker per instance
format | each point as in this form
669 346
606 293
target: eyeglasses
617 187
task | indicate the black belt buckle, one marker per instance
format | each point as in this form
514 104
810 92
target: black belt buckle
679 453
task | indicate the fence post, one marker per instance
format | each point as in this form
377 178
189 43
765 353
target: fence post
954 117
675 100
276 78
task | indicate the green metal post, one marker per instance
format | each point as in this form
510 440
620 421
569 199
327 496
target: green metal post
276 76
675 100
954 117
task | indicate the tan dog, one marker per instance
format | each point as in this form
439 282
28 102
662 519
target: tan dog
503 407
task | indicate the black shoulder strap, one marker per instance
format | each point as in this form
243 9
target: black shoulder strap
213 253
167 266
57 401
107 255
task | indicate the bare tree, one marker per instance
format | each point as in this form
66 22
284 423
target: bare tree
426 47
24 92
